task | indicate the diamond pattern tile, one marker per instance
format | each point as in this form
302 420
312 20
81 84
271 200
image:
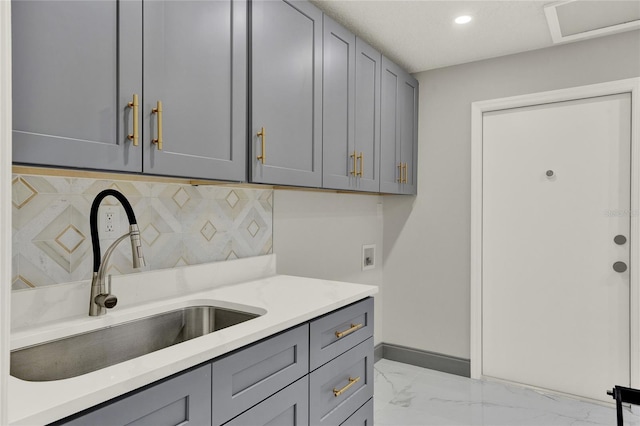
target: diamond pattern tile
208 231
70 239
21 192
181 262
21 282
253 228
232 199
181 197
180 225
150 234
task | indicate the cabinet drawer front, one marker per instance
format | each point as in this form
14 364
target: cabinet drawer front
362 417
289 407
324 341
181 400
249 376
340 387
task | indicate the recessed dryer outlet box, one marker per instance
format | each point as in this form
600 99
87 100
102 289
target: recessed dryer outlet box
368 257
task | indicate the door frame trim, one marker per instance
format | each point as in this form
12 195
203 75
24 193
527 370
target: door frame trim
632 86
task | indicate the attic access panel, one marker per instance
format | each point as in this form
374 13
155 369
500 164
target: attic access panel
573 20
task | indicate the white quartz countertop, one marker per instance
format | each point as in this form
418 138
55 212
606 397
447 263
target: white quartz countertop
283 301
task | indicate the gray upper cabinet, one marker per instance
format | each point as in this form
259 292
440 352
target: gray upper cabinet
72 82
367 116
163 87
351 97
77 66
339 162
195 55
399 130
286 93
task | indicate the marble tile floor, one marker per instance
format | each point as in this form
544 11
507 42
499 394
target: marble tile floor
408 395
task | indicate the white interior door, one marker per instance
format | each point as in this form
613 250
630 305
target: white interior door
556 193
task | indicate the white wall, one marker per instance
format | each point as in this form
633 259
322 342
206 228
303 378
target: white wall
427 238
320 235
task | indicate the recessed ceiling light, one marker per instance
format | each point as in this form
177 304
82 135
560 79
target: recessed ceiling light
464 19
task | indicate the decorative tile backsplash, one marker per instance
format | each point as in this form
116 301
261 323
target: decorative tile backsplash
179 224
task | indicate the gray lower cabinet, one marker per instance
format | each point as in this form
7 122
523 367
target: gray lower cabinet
362 417
286 93
184 399
339 331
270 382
340 387
351 111
289 407
72 81
78 78
399 130
244 378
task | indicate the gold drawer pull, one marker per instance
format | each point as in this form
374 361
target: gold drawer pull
262 135
354 327
158 110
338 392
354 172
405 173
134 105
400 167
361 158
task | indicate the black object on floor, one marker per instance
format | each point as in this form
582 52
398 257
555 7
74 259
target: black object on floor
626 395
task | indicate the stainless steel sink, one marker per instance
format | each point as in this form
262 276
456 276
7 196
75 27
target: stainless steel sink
83 353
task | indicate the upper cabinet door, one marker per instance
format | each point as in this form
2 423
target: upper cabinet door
195 65
75 69
339 157
409 132
351 111
399 130
391 171
286 93
367 116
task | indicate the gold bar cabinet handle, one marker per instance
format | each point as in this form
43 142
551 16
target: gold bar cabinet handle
405 173
134 105
261 134
354 327
361 171
338 392
399 180
354 172
158 110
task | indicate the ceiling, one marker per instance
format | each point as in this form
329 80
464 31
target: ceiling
420 35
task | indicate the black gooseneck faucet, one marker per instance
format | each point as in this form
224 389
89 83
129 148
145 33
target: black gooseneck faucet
101 297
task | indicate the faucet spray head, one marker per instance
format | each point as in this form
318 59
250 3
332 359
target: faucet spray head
136 247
